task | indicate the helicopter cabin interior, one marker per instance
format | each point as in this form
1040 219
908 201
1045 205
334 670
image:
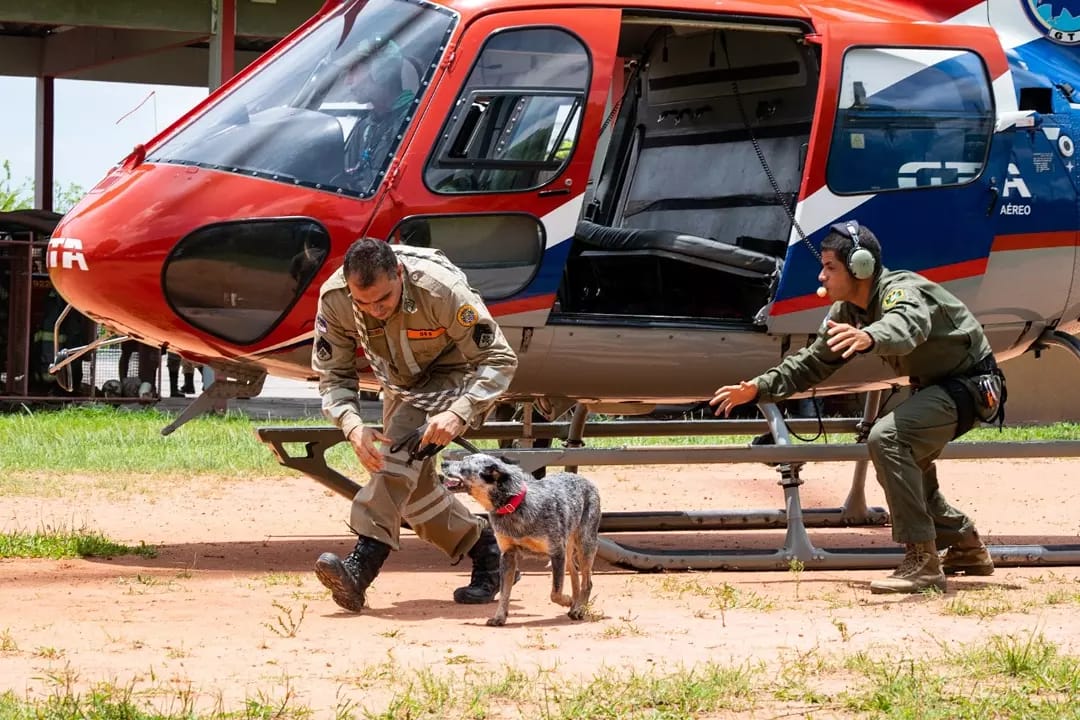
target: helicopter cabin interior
690 204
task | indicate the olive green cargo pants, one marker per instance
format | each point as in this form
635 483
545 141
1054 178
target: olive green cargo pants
903 446
413 493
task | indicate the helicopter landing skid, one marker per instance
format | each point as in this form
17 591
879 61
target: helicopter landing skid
304 450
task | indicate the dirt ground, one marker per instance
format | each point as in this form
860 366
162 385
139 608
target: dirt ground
230 610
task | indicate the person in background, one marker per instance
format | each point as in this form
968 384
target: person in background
177 366
375 80
149 360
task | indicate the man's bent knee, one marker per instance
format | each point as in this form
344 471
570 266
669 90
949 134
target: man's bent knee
882 438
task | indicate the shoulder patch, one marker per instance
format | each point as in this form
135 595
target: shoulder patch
467 315
483 335
320 324
892 297
323 351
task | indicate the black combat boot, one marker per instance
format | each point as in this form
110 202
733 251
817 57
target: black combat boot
189 383
484 584
349 579
174 385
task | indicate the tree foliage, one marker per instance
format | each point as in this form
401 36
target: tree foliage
20 196
12 196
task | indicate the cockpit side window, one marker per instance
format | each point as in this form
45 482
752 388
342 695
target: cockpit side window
910 118
330 111
499 252
236 280
517 118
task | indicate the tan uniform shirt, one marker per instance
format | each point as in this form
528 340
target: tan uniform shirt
440 350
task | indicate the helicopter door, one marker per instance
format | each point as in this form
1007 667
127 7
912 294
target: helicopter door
496 172
904 143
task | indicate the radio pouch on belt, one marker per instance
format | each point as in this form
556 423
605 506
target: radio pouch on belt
979 396
965 404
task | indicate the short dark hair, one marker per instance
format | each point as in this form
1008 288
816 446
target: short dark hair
841 244
367 259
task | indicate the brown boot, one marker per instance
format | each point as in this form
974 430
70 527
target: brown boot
920 570
968 556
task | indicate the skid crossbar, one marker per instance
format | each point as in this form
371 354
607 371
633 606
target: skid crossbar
797 546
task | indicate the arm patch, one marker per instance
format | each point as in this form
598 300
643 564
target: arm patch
894 296
483 335
467 315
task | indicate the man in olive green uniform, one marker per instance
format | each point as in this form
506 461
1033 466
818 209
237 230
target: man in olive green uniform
440 358
922 331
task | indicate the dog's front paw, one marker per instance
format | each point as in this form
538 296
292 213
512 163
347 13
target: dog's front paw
560 599
497 620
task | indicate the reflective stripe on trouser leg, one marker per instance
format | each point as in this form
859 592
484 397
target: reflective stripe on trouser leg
399 491
376 507
901 444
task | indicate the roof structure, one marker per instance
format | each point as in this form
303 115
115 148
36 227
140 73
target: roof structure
161 42
167 42
39 221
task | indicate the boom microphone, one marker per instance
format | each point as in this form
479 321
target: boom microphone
822 292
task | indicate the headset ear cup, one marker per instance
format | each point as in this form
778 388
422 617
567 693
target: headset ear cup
861 263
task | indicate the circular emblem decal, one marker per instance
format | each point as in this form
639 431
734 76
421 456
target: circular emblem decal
1059 20
466 315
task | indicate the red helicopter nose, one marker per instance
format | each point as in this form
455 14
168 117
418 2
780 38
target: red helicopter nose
208 261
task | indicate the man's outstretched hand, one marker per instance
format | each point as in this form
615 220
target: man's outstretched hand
728 396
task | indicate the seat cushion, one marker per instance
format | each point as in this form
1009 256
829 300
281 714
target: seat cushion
616 239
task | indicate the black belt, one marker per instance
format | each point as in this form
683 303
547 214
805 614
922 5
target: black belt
984 367
962 397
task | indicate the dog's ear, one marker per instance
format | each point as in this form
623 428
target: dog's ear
508 461
490 472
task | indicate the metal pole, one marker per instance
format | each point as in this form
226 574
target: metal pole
855 503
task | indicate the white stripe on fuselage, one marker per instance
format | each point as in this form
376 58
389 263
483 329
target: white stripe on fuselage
559 224
822 207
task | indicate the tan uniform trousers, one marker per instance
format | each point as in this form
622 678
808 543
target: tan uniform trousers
903 446
411 493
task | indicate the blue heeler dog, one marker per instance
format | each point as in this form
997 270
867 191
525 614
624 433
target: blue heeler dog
557 516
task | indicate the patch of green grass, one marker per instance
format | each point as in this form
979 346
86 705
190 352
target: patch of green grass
1006 676
723 596
706 688
106 439
1021 676
41 445
272 579
58 544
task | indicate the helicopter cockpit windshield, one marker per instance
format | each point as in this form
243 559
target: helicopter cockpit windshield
331 112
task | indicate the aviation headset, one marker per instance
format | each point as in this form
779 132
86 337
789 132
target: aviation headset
861 262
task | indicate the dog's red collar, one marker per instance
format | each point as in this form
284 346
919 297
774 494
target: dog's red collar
514 502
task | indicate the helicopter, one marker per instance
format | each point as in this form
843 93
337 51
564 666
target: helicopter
636 190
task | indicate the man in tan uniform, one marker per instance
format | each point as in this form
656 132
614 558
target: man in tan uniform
923 331
440 358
